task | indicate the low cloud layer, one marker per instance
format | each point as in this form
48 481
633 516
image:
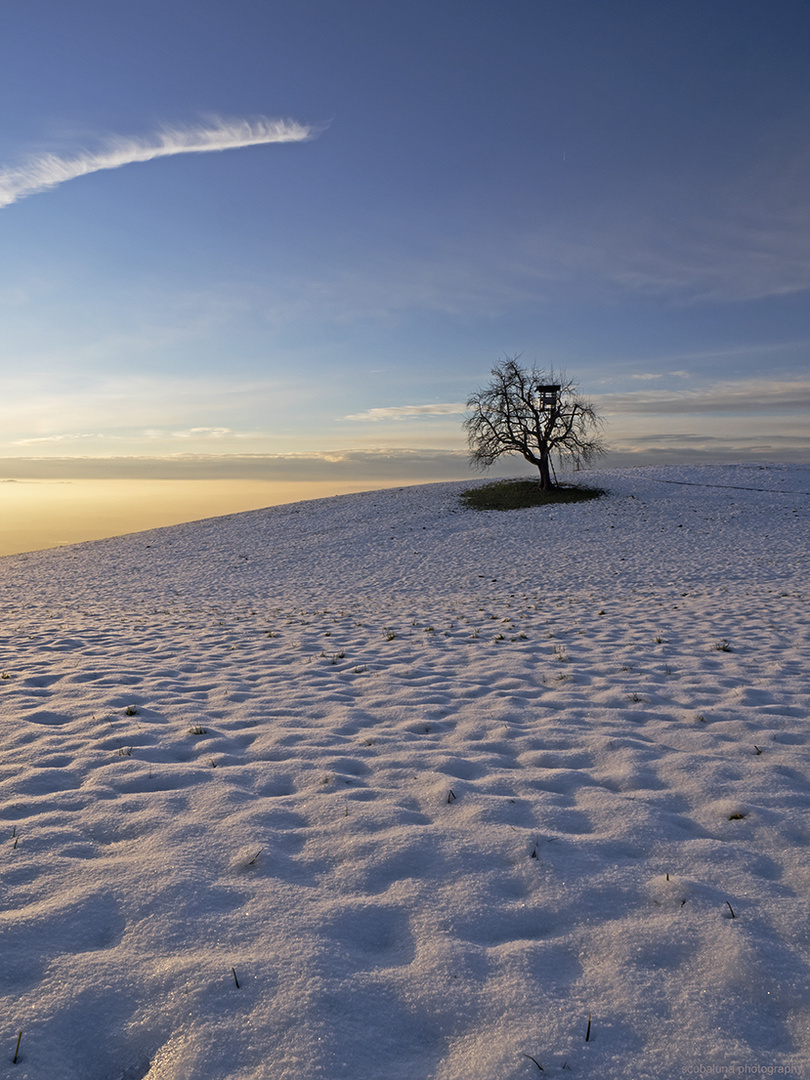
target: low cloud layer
391 466
49 170
394 464
734 398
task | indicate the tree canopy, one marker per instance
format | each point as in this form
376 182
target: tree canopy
535 413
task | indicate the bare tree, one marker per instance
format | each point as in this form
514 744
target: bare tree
529 412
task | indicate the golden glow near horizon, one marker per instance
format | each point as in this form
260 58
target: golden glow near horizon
39 514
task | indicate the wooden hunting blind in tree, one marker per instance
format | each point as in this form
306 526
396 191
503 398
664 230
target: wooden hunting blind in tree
547 396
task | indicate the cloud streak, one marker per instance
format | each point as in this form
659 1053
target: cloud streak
400 412
49 170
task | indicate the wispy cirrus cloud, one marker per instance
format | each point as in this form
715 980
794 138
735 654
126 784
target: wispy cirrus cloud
649 376
400 412
72 436
192 433
45 171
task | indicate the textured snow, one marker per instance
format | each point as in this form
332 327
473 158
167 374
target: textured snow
434 786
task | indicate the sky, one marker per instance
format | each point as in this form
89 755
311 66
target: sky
285 241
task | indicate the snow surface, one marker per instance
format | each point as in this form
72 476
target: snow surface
434 786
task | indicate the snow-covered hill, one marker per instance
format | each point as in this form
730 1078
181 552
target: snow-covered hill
448 794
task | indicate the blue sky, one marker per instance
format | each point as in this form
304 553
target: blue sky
621 190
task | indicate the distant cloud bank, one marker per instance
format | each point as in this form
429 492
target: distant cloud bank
49 170
739 397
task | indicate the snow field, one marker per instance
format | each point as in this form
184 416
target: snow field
434 787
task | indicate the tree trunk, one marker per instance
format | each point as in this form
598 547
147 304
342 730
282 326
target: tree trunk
546 483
